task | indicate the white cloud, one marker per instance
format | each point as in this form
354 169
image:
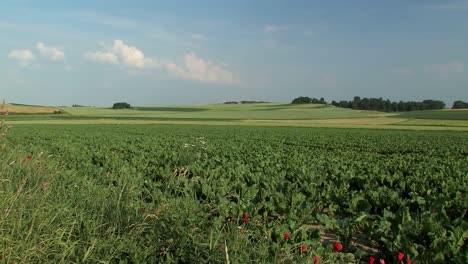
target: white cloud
24 56
105 57
121 52
200 70
52 53
193 67
131 56
445 70
274 28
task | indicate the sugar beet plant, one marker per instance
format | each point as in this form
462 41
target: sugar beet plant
188 194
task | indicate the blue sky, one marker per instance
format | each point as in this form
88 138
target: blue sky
97 52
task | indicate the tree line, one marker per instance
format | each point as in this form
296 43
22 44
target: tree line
379 104
459 105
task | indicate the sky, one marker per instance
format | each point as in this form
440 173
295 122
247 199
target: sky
183 52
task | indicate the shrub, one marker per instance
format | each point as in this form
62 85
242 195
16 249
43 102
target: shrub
121 105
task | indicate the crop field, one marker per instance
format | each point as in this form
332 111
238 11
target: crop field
231 194
262 114
448 114
226 112
30 109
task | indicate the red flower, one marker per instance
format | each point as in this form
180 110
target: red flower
28 158
245 218
143 209
316 259
287 235
304 248
231 218
408 261
371 260
223 248
337 246
401 255
382 261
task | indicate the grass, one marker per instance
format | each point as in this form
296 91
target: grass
447 114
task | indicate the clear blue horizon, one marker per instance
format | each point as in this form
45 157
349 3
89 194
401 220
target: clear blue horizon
199 52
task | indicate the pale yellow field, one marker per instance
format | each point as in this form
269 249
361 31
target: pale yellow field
22 109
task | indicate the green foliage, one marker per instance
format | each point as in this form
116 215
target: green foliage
459 105
177 194
121 105
379 104
308 100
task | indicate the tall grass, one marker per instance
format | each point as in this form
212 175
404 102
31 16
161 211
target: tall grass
53 214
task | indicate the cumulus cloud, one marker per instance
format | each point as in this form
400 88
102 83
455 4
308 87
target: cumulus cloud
101 56
24 56
129 55
51 53
192 68
197 69
445 70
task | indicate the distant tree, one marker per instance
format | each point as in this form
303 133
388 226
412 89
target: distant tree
459 105
379 104
308 100
302 100
231 102
121 105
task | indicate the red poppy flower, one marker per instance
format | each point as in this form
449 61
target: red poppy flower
143 209
316 259
382 261
245 218
408 261
231 218
304 248
28 158
371 260
401 255
287 235
223 248
337 246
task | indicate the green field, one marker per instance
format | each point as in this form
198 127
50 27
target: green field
438 114
226 112
263 114
202 194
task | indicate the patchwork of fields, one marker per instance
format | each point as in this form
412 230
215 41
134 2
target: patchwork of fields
191 194
264 114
